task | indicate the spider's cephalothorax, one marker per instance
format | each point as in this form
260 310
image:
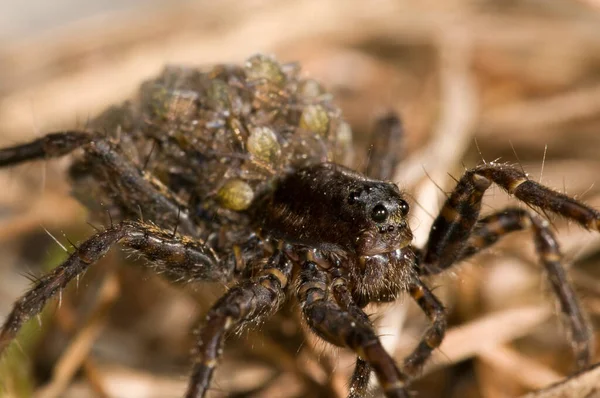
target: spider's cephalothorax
346 219
245 164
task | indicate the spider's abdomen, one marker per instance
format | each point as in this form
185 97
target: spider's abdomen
218 137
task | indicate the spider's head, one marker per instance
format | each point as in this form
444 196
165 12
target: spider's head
329 207
383 225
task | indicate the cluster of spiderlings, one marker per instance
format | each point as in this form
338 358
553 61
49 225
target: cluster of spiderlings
225 133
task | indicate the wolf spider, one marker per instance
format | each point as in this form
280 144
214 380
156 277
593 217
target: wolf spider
335 238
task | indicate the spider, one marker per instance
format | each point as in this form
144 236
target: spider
238 173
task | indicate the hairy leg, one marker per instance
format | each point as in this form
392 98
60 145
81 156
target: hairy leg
180 257
452 228
455 234
433 337
385 150
50 146
492 228
132 187
359 382
431 340
249 301
344 328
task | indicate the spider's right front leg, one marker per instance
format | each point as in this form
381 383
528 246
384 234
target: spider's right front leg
346 328
179 256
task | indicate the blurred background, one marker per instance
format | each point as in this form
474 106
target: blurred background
474 81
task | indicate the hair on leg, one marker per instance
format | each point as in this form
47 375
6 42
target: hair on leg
49 146
180 257
248 301
339 327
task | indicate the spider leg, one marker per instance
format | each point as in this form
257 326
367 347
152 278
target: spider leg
455 234
452 228
385 149
359 382
178 256
360 379
349 328
490 229
249 301
433 337
50 146
136 187
431 340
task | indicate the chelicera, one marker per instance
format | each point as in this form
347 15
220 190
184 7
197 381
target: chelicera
239 174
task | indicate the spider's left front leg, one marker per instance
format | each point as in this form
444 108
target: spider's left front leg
454 234
452 228
249 301
348 327
492 228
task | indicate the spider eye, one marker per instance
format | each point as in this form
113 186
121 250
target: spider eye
379 213
403 207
